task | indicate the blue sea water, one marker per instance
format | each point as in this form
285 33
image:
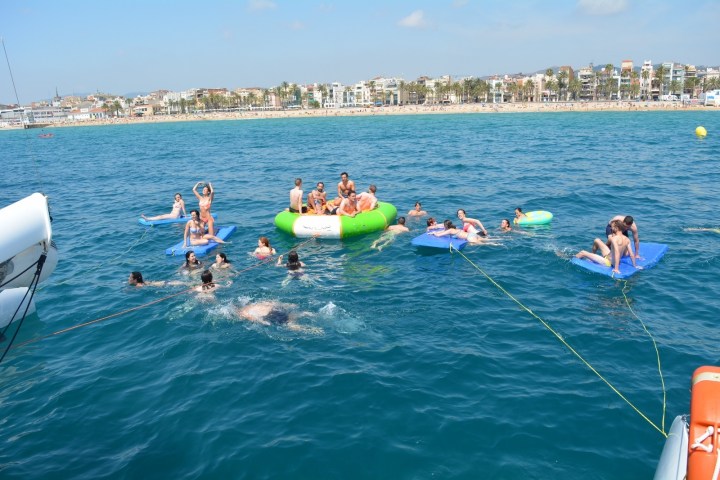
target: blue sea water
412 364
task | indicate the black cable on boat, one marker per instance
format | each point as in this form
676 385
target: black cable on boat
16 276
36 279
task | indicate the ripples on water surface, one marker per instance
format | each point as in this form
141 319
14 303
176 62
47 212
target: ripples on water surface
423 368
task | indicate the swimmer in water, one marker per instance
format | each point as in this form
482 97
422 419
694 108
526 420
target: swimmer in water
221 262
136 279
208 285
433 225
389 235
505 225
275 313
293 264
692 229
264 249
417 211
519 214
191 262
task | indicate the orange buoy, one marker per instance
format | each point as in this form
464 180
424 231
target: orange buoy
704 423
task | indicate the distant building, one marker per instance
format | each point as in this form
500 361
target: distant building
646 77
588 83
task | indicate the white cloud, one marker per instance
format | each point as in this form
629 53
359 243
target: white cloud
602 7
261 5
415 20
297 25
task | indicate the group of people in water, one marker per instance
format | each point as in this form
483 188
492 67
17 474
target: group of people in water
199 230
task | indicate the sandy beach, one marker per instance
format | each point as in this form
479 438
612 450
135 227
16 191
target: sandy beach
402 110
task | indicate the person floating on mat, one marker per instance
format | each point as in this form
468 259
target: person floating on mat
627 225
610 256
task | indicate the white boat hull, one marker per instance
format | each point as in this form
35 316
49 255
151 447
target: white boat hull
20 262
9 301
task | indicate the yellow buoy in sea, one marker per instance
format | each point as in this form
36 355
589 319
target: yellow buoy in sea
700 131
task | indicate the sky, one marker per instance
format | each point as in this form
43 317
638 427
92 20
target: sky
130 46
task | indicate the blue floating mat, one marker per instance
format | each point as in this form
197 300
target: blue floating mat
650 254
149 223
199 250
427 240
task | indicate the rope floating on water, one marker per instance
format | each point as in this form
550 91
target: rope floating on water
572 350
657 353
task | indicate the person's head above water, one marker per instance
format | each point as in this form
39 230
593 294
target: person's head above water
293 262
401 220
448 224
136 278
190 258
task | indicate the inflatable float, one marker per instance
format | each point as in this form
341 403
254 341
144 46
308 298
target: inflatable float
149 223
336 226
691 448
650 255
537 217
444 242
180 249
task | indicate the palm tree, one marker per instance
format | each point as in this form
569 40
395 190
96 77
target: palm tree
660 79
529 88
323 92
117 107
675 87
562 82
608 83
512 89
646 76
549 76
574 88
634 84
401 88
551 86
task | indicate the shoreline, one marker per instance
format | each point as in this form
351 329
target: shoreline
479 108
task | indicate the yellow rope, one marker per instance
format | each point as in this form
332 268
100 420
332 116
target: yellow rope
567 345
657 352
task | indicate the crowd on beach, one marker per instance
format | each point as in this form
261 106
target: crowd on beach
430 109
